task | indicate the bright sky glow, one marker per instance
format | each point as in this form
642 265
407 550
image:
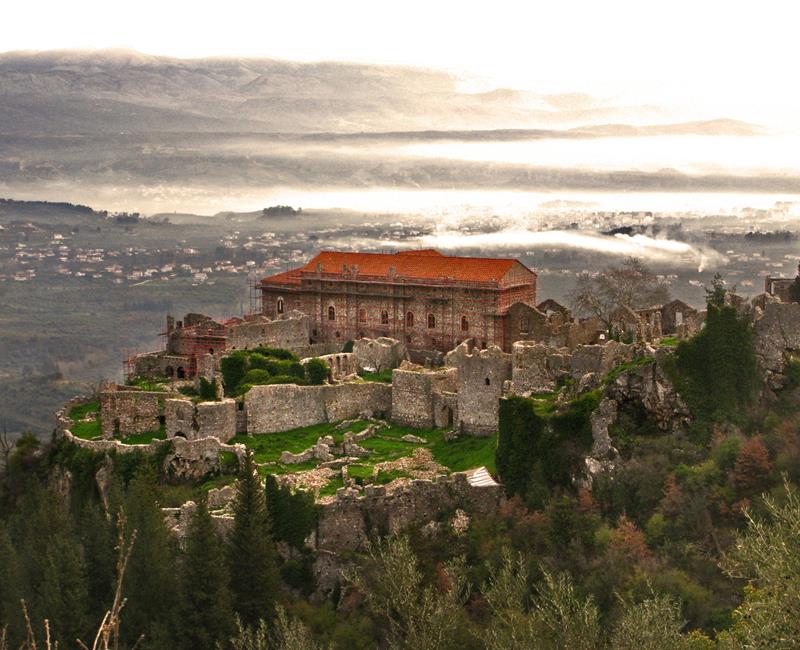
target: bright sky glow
719 57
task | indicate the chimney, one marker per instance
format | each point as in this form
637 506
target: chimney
170 324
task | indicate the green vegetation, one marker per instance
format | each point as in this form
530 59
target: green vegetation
615 372
88 429
243 369
540 445
145 438
147 384
317 371
716 371
384 376
669 340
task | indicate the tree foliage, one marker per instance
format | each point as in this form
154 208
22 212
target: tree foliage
716 370
317 371
767 555
207 612
251 552
630 284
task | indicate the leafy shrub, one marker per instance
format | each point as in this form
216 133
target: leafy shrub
348 346
233 368
716 370
208 389
256 376
317 371
293 514
285 379
276 353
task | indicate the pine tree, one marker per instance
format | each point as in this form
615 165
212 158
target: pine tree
252 557
151 585
207 609
10 589
52 565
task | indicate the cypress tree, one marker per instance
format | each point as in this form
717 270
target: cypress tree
52 566
10 589
252 557
151 584
207 615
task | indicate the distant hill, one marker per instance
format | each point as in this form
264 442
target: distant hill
112 91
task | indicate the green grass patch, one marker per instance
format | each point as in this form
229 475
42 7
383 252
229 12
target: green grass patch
384 376
463 453
87 429
628 365
331 488
82 410
359 471
148 384
387 476
145 438
217 481
669 340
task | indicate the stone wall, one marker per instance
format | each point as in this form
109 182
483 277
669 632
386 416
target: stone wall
535 367
156 365
481 378
126 411
288 331
342 364
599 359
413 395
348 521
376 355
193 421
283 407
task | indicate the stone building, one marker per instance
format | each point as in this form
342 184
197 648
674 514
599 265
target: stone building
780 286
427 300
198 341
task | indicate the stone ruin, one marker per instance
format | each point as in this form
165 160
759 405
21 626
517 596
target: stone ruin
482 377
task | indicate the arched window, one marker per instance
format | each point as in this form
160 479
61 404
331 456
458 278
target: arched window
464 324
280 305
362 315
431 321
331 313
410 319
488 381
384 317
524 325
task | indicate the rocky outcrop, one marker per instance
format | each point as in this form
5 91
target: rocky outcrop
777 332
649 385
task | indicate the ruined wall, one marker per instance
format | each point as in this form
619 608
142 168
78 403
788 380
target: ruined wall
481 375
193 421
413 391
156 365
349 521
126 411
342 364
186 459
599 359
283 407
535 367
777 333
290 332
379 354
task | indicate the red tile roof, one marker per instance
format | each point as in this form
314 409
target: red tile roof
409 265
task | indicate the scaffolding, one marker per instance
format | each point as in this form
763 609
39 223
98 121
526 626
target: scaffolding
254 286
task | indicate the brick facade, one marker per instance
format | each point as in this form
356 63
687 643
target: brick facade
425 299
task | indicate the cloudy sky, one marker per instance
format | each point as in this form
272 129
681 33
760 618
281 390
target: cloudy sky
729 58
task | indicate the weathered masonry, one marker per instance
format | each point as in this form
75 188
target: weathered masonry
427 300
